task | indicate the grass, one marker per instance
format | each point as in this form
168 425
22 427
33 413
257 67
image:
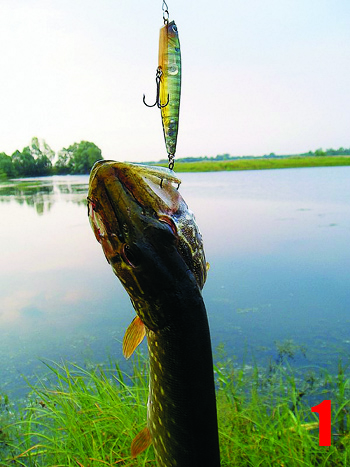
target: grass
78 417
272 423
261 163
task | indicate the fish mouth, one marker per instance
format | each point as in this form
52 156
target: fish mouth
124 197
150 187
136 211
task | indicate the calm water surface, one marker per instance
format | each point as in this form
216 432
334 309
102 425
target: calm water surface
278 247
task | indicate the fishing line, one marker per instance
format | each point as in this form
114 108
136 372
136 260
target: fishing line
165 12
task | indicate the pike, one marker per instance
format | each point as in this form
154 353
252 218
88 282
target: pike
151 240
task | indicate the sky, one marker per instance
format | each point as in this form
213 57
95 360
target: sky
258 76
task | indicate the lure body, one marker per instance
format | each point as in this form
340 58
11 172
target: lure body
169 63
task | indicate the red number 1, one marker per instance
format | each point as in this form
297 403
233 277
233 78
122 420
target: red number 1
324 412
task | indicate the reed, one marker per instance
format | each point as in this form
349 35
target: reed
88 418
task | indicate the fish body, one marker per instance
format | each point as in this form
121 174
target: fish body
169 62
153 244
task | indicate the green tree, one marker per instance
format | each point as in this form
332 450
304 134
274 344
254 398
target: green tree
43 156
78 158
24 163
40 148
6 167
34 160
63 165
320 153
222 157
85 155
43 166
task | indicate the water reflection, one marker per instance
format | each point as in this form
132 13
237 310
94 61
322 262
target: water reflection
276 241
42 193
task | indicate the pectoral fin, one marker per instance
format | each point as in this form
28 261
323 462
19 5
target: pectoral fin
141 442
133 336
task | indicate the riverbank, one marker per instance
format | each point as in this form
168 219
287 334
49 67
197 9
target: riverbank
260 163
90 417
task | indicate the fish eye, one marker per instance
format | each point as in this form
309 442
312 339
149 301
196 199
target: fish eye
169 222
129 256
174 28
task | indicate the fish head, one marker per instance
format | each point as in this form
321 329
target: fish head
147 233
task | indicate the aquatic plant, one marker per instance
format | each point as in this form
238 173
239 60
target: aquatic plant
79 417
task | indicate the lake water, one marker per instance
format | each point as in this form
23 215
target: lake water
277 243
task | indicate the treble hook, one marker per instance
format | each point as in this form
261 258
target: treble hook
157 102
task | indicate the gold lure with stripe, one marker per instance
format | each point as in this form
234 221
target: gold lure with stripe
168 78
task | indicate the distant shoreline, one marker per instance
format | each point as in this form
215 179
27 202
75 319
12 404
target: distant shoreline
260 163
227 165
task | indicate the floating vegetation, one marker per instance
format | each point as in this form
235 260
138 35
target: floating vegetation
252 309
247 310
288 349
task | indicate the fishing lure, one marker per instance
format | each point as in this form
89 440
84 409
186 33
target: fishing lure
168 79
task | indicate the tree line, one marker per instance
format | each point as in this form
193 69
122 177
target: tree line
37 160
227 157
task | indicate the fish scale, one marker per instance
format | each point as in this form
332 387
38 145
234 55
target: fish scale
161 264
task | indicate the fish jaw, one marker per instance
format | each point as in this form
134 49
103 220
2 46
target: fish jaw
146 231
153 244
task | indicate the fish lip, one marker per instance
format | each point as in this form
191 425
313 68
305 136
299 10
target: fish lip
140 206
137 198
100 171
112 220
152 188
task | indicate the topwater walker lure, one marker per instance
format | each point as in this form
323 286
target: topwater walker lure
168 79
